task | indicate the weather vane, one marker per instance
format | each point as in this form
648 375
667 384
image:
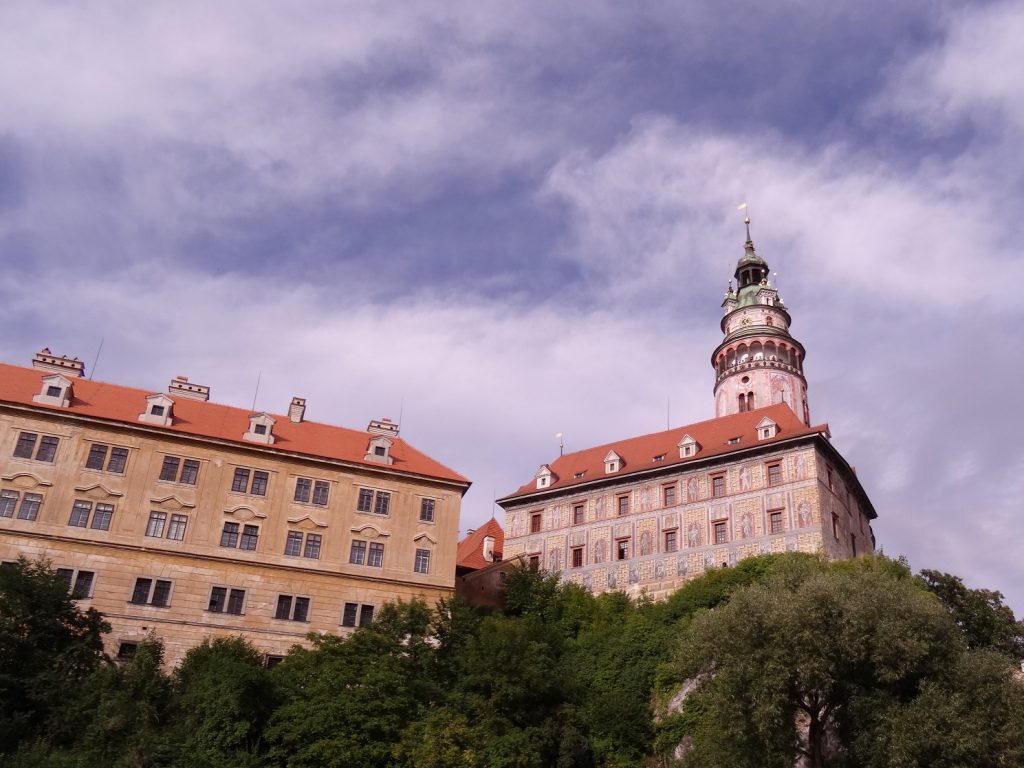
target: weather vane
746 217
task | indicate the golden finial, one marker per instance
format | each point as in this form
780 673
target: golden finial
746 218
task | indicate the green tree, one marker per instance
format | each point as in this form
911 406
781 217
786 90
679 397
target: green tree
47 647
980 613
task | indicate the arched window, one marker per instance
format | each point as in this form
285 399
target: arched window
742 402
750 401
755 351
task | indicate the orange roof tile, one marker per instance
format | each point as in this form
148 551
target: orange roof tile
470 553
222 422
638 453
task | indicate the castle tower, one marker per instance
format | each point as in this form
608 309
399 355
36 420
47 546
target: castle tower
758 363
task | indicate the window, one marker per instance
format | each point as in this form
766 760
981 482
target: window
721 532
79 582
829 472
578 513
835 526
718 485
126 650
376 558
534 562
30 504
52 391
98 458
176 530
241 484
668 493
622 549
260 429
357 555
422 563
156 592
248 539
427 510
535 521
307 490
577 557
156 410
26 448
355 614
185 471
304 544
775 521
623 505
380 450
775 473
8 503
292 608
156 524
272 660
659 457
226 600
853 544
81 510
671 541
378 502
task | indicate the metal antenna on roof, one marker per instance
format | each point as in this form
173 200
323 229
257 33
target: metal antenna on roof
95 362
561 444
401 410
255 394
668 413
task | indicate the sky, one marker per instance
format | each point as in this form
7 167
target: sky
501 221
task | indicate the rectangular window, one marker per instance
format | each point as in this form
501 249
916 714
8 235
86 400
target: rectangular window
224 600
157 522
376 558
250 537
189 472
169 470
721 532
357 555
79 582
80 512
365 503
303 487
26 445
775 473
97 457
382 504
835 526
312 548
240 482
8 503
622 549
426 510
669 495
259 483
671 541
350 615
623 505
366 616
176 530
321 489
47 449
828 471
775 521
30 504
578 514
101 517
118 460
293 544
534 562
853 544
229 536
155 592
718 486
577 557
535 522
292 609
422 563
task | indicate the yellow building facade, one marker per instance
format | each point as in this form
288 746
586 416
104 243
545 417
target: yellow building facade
186 519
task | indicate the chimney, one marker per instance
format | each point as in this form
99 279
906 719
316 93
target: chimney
297 410
48 361
180 386
489 549
383 427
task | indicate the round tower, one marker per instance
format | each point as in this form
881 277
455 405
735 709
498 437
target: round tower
758 363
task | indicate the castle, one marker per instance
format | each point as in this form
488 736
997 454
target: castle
647 513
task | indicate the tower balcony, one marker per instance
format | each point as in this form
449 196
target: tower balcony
761 362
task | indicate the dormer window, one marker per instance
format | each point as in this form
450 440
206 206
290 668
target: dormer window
379 450
767 429
158 411
659 457
544 477
688 447
612 462
261 429
56 391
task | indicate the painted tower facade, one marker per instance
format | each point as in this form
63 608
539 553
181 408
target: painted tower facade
758 362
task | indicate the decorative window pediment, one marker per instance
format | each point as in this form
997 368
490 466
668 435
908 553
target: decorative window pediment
172 503
612 462
26 480
97 491
766 429
424 538
244 513
158 410
370 531
56 390
688 447
544 477
306 522
261 429
379 450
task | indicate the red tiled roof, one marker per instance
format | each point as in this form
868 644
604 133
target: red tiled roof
638 453
222 422
470 553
